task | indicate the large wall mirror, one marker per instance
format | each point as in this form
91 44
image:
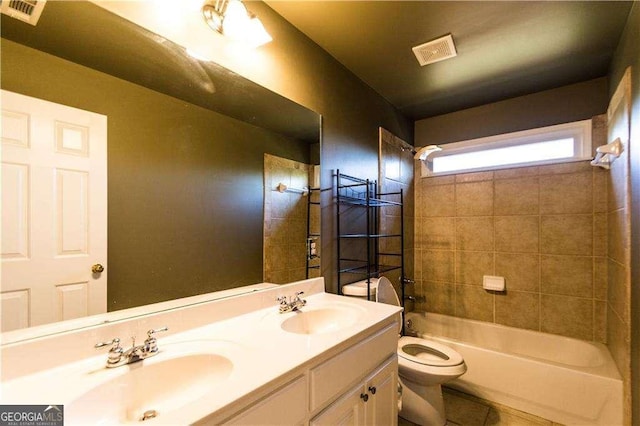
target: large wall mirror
195 158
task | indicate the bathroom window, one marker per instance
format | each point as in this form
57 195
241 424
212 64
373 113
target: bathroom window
545 145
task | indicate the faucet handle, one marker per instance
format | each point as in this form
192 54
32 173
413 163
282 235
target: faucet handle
115 342
299 302
151 344
157 330
284 305
115 353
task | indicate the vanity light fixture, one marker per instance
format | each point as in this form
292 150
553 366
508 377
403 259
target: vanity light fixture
232 19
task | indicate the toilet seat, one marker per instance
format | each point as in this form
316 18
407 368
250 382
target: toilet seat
432 369
427 352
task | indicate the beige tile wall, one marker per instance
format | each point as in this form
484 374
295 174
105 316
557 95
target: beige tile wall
396 174
542 228
619 253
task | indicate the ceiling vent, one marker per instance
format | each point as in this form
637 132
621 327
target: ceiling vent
25 10
435 50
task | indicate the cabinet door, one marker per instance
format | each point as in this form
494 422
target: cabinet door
333 377
382 388
348 410
372 402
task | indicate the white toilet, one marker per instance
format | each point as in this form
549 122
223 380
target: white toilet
423 365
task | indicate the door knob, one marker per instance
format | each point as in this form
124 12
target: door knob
97 268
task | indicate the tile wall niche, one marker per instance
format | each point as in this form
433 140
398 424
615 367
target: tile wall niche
285 221
542 228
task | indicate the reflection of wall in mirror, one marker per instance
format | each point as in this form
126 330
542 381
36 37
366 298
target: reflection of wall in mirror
288 220
185 203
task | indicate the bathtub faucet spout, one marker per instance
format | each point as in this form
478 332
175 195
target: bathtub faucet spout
409 330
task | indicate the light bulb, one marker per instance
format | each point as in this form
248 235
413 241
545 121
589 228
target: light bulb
236 20
257 35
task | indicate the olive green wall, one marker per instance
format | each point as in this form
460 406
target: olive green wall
574 102
628 54
297 68
185 183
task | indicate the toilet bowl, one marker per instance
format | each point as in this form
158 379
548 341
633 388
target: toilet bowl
423 366
428 362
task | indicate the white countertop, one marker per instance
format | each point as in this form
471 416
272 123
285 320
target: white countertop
261 353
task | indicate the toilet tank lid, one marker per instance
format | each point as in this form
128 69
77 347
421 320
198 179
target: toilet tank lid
360 288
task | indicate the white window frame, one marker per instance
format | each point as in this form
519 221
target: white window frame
579 131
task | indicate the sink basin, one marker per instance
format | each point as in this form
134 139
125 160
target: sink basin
321 320
149 387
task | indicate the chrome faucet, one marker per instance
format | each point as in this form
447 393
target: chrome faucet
293 304
409 330
119 356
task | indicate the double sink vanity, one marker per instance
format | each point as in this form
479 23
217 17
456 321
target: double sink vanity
241 360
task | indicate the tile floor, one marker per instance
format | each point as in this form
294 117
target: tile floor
467 410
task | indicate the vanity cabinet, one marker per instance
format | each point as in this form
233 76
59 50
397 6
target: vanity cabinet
233 361
371 402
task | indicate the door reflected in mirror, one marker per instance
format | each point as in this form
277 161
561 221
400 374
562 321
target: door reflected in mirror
54 212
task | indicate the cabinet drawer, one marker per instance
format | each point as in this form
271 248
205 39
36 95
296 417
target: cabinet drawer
287 405
334 376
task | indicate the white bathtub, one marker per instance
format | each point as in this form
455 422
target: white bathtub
565 380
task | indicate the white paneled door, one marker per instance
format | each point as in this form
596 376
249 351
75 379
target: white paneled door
54 212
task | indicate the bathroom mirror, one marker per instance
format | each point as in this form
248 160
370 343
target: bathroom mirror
186 151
